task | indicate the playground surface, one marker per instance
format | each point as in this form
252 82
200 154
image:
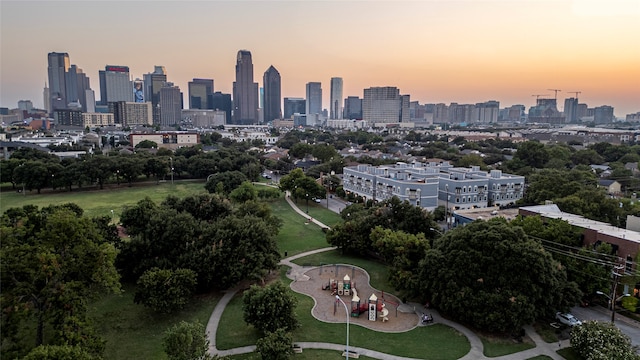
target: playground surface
401 317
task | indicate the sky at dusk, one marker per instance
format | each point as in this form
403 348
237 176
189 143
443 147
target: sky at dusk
437 51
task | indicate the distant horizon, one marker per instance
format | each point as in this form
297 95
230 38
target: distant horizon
436 51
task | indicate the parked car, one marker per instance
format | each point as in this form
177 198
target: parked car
568 319
317 200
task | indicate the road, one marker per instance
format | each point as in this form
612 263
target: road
628 326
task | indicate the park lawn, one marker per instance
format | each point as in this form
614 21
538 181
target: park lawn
425 342
296 235
540 357
101 202
438 341
569 354
378 272
134 332
494 347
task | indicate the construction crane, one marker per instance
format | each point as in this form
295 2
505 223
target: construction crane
575 92
538 96
557 91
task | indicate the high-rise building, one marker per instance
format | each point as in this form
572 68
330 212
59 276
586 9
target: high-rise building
314 98
132 113
272 94
486 112
199 91
294 106
571 110
603 115
245 91
170 105
352 108
335 109
25 105
58 65
220 101
78 84
115 84
384 105
153 82
47 98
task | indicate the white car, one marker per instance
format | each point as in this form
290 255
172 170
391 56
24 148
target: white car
568 319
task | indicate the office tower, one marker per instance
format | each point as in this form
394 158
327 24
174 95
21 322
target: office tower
245 91
571 110
603 115
335 109
220 101
314 98
115 84
47 98
294 106
58 64
515 113
153 82
352 108
385 105
199 91
78 84
272 95
132 113
170 105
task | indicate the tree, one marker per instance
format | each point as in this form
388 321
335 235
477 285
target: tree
270 308
461 276
52 261
165 291
229 179
245 192
147 144
275 345
58 352
186 341
595 340
533 154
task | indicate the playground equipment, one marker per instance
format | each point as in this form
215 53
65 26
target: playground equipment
375 308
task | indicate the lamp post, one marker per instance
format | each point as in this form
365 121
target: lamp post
613 303
436 230
347 313
307 196
171 160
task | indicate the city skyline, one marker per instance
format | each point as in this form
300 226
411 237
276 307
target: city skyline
435 51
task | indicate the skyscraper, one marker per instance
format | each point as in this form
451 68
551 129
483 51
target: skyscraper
272 94
58 64
245 91
170 105
353 108
335 110
385 105
199 91
314 98
115 84
571 110
220 101
47 98
78 86
293 106
153 82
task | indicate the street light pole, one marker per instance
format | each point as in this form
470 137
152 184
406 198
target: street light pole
347 313
446 210
171 159
307 196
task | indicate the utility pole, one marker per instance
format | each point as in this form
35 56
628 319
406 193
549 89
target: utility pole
613 291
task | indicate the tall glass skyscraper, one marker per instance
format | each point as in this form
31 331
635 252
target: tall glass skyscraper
335 110
115 84
199 91
314 98
153 82
58 65
245 91
272 94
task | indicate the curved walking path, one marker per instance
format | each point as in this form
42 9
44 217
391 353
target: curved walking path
297 273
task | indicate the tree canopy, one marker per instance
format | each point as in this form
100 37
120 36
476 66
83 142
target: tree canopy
270 308
461 276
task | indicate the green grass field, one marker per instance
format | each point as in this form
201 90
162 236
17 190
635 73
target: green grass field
101 202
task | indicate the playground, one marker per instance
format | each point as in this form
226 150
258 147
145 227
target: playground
368 307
